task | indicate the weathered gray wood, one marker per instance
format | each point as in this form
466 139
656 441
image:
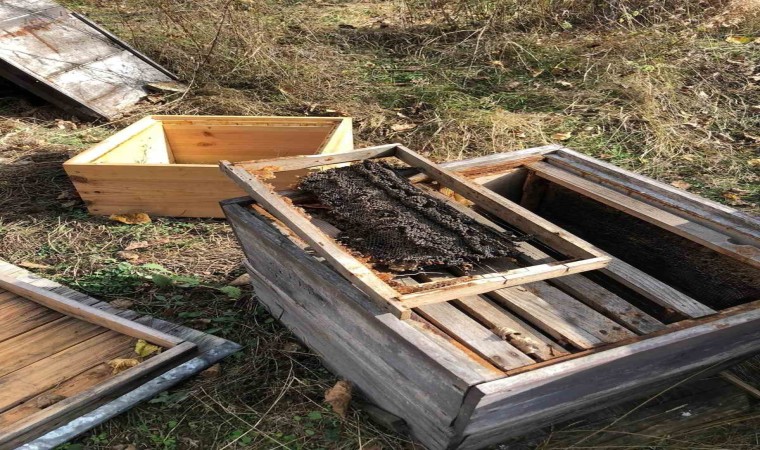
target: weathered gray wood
705 236
71 62
533 399
511 328
354 336
742 226
478 338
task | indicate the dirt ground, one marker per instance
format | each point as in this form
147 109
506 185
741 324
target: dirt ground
668 89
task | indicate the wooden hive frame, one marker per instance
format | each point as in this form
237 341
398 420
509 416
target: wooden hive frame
248 175
35 424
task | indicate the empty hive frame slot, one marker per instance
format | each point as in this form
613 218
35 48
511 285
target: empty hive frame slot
583 256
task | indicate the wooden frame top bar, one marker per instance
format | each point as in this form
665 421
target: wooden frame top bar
583 255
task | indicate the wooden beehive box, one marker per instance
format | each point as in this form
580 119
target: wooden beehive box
168 165
680 296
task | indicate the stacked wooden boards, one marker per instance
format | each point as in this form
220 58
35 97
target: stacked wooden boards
168 165
57 351
70 61
480 369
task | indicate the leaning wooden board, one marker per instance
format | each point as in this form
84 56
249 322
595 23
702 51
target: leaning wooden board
56 350
569 345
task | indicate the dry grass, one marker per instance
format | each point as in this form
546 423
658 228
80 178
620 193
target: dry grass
652 86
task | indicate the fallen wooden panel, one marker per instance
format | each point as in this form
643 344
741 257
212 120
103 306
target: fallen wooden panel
56 349
70 61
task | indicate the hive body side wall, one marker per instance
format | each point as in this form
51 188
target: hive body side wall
385 358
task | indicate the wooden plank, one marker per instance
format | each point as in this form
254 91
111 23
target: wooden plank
33 379
73 308
473 335
705 236
30 425
655 290
505 209
209 143
68 388
511 328
308 161
479 284
27 319
44 341
710 213
348 266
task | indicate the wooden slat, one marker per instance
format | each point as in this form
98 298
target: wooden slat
479 284
705 236
595 296
348 266
515 331
19 321
655 290
73 308
556 319
68 388
44 341
473 335
21 429
33 379
710 213
307 161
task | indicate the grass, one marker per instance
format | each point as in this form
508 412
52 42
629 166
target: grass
652 86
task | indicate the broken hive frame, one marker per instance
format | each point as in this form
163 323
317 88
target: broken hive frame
67 340
587 257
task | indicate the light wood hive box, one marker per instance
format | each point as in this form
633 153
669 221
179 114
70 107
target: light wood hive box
680 298
168 165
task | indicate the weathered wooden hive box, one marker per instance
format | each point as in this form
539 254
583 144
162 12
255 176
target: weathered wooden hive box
168 165
678 296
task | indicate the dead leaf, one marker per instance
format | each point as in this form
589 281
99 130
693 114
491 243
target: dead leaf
680 184
537 73
740 39
34 265
131 219
339 396
127 256
45 400
144 349
65 124
735 199
754 162
562 136
135 245
121 303
121 364
399 127
212 372
565 84
242 280
496 63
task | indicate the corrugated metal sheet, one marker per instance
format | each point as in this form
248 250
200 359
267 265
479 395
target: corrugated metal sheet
70 61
